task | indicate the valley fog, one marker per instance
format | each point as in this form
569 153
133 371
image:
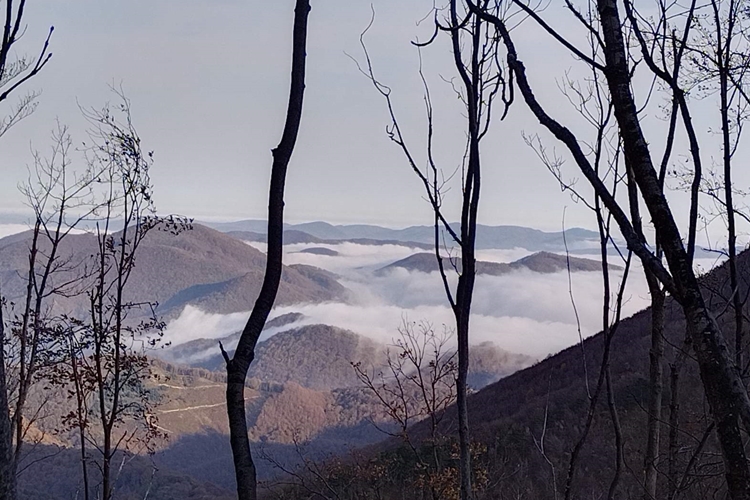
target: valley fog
523 312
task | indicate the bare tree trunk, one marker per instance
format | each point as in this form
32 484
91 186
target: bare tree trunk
725 391
674 423
732 250
36 292
472 81
238 365
722 385
81 412
656 354
23 340
723 56
462 322
619 444
7 464
107 466
675 369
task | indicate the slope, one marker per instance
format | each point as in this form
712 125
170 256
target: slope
550 401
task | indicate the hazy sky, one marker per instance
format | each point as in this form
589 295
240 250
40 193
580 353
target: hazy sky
208 83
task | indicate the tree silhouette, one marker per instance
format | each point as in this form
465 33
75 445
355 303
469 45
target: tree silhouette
239 363
724 389
482 80
13 74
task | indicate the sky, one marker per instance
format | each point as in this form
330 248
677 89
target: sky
208 85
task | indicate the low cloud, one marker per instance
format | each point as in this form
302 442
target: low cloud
523 311
352 258
11 229
514 333
195 324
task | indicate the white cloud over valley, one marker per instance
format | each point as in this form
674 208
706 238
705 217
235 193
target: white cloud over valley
524 312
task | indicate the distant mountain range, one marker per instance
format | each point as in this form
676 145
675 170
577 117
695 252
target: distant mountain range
219 273
540 262
488 237
301 385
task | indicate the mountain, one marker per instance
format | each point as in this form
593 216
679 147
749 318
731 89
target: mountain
501 237
546 262
540 262
216 272
314 356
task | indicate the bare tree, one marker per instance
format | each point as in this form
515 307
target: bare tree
482 79
590 100
105 351
239 363
419 384
663 45
60 200
13 74
724 389
720 62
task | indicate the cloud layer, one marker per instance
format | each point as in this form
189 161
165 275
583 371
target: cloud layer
523 312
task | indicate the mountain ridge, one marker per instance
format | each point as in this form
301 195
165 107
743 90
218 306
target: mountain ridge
488 237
